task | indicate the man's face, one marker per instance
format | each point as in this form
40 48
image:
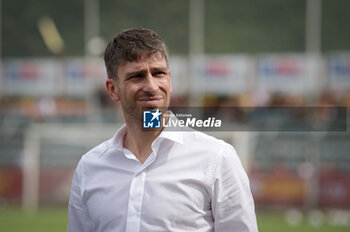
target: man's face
143 84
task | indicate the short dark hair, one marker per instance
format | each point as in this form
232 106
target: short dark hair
130 45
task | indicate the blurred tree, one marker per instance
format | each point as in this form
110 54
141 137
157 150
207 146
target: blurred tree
335 29
255 26
20 32
230 26
168 18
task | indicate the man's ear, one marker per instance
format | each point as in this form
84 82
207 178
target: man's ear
112 89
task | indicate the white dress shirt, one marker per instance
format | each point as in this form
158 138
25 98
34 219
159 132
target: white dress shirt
190 182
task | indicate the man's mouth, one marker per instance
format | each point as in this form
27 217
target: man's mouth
150 100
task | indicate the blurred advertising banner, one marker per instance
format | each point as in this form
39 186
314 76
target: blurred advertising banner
82 76
34 77
10 183
211 74
222 74
55 183
334 189
287 188
179 74
339 71
281 189
50 77
283 73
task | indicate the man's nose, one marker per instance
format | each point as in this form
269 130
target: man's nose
150 84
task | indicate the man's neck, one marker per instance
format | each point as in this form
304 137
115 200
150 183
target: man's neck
139 141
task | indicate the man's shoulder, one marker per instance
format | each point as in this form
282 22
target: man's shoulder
98 150
206 141
198 136
208 148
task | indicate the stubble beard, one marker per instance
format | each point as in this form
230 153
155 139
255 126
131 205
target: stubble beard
131 111
137 114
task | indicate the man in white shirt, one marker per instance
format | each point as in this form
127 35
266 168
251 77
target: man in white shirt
155 180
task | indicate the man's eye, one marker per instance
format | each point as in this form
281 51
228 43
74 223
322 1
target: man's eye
160 73
135 76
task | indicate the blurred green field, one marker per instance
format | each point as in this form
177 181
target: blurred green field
55 220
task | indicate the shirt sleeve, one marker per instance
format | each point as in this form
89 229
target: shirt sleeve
232 201
78 217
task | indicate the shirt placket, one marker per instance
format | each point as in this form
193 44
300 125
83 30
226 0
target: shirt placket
136 196
135 202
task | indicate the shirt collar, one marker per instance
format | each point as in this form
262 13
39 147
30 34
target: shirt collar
171 134
119 138
175 136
